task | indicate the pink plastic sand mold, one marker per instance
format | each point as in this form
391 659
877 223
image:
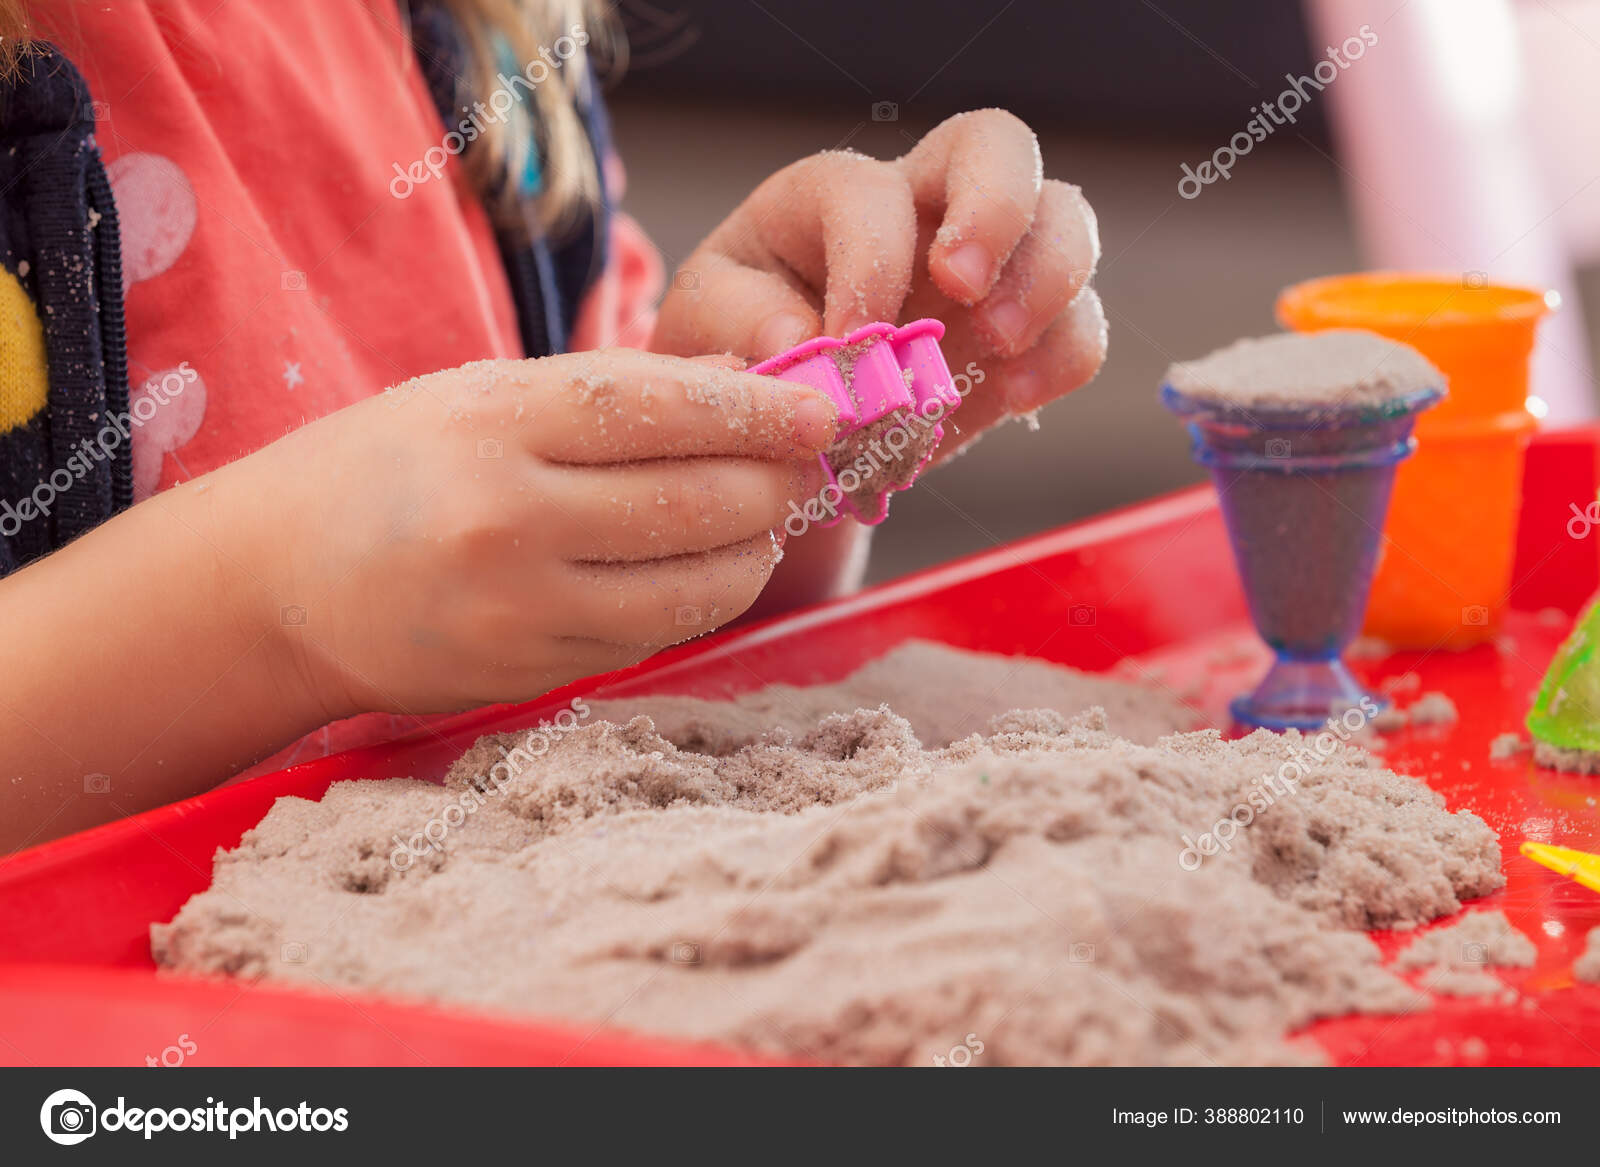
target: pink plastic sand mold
894 369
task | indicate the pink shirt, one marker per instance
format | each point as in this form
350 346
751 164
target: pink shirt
251 147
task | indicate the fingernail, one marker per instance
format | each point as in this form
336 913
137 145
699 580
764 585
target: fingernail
815 420
1007 320
970 263
781 332
779 536
1026 391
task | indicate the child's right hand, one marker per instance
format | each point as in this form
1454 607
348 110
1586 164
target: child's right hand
488 533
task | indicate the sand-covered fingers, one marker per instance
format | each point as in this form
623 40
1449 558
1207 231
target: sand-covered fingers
1067 357
660 602
619 405
726 305
654 510
982 173
842 225
1047 271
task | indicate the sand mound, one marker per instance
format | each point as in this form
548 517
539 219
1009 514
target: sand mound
945 693
848 893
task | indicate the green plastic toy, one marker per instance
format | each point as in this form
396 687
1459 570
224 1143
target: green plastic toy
1566 711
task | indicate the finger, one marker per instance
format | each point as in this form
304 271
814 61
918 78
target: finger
734 308
982 173
599 657
1067 357
843 224
665 601
618 405
583 656
722 361
653 510
1052 264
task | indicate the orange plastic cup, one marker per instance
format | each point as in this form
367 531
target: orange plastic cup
1445 569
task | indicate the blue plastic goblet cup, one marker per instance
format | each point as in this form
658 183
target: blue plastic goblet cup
1304 492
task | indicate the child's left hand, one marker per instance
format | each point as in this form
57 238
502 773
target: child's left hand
962 228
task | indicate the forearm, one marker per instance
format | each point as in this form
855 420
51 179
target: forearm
144 662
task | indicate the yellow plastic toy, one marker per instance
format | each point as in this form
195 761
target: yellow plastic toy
1578 866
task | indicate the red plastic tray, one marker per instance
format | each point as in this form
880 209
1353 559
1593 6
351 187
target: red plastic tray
1152 587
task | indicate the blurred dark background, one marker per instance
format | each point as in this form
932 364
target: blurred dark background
720 93
1128 67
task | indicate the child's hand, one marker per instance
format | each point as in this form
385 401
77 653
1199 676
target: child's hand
962 228
487 533
483 534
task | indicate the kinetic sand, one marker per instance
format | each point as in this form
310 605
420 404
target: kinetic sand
1339 367
886 454
825 885
1587 966
1455 959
